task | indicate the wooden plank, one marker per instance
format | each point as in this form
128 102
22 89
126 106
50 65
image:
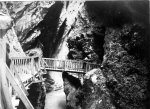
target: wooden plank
32 68
20 92
24 57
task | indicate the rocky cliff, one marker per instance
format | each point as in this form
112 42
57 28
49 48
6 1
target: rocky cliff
116 35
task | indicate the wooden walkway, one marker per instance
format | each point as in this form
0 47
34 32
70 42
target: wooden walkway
29 67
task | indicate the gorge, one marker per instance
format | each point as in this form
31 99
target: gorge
114 34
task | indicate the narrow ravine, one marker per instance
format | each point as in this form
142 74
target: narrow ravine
56 99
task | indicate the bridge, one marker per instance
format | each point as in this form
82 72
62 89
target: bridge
24 71
28 68
67 65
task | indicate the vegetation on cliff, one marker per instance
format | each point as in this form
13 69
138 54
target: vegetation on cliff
122 48
126 66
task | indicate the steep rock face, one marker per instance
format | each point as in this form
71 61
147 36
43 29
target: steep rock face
26 15
8 33
123 30
128 67
54 28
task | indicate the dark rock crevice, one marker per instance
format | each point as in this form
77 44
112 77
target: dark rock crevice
49 31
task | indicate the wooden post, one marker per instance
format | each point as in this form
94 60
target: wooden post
86 67
65 65
32 68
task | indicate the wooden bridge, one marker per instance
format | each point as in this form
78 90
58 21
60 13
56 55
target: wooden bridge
29 68
67 65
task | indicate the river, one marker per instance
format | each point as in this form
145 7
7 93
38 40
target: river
55 100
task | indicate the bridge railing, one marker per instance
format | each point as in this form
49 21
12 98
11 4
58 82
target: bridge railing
53 64
68 65
65 65
28 67
90 66
74 66
25 67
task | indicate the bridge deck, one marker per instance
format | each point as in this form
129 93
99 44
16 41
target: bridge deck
68 65
28 67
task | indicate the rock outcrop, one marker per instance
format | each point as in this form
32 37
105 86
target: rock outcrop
7 32
72 87
94 91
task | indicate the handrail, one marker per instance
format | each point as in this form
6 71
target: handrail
32 65
28 66
70 60
25 57
68 65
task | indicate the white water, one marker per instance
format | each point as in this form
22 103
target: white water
55 100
